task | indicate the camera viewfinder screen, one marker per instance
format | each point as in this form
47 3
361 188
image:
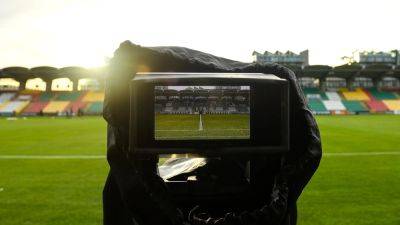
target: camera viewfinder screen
201 112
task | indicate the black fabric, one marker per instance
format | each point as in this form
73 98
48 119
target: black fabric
114 209
280 180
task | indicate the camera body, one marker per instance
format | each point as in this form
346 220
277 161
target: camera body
209 114
231 118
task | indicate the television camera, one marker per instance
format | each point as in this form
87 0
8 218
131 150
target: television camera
214 115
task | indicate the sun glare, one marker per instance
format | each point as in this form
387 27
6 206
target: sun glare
36 84
61 84
85 33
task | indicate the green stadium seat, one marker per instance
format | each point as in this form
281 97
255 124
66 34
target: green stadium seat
317 106
315 92
94 108
68 96
355 106
46 96
381 95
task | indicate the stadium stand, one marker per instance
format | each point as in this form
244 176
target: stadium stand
327 90
358 95
5 97
24 97
55 107
13 108
34 108
393 105
33 93
317 106
333 105
343 101
68 96
188 101
381 95
94 108
75 106
334 96
46 96
376 106
314 93
93 96
355 106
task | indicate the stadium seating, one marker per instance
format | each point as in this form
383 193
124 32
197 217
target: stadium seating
34 94
381 95
13 107
334 96
32 102
34 108
24 98
94 108
376 106
232 109
46 96
314 93
355 106
92 96
75 106
219 109
393 105
68 96
317 106
182 110
333 105
55 107
4 97
358 95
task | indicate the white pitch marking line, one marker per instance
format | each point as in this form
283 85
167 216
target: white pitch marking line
203 137
359 153
52 156
200 124
103 156
207 129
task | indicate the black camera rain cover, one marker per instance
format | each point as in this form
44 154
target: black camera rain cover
297 166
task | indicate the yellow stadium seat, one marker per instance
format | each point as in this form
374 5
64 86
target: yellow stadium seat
358 95
21 106
56 106
29 92
13 106
392 104
92 96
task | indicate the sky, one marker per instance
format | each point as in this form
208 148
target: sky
87 32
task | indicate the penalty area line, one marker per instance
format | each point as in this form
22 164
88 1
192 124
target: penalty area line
332 154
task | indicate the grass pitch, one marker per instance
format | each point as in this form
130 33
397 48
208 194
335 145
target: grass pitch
196 127
347 189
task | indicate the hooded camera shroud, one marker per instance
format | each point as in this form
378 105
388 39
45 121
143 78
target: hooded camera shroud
135 190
